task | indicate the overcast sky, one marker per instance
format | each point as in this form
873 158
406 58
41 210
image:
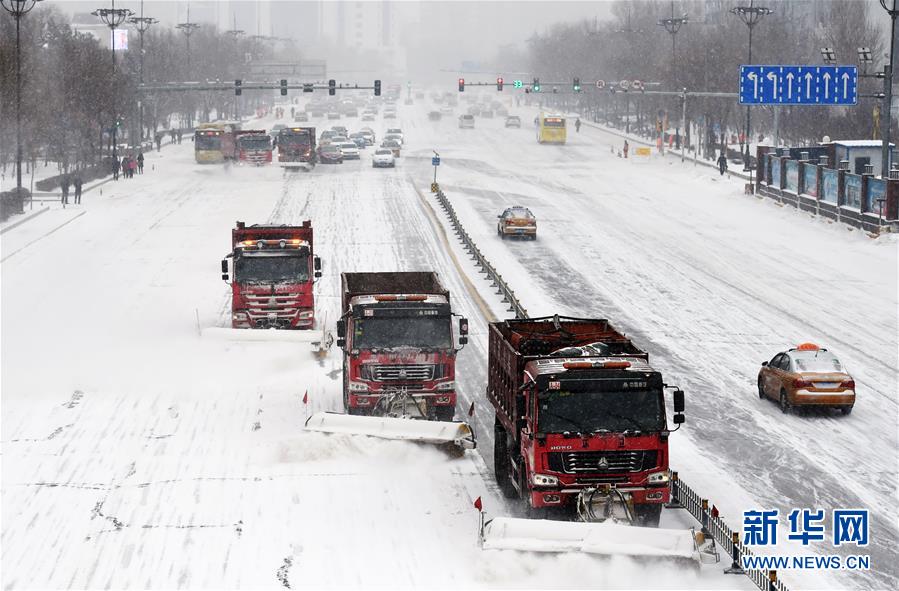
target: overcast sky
512 21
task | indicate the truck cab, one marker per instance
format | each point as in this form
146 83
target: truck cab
398 337
274 270
578 407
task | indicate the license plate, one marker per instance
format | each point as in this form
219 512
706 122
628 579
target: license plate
519 231
827 385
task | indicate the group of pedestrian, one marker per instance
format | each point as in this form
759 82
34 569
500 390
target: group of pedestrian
67 181
128 166
176 135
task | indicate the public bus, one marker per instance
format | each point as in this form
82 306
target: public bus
551 129
215 142
208 143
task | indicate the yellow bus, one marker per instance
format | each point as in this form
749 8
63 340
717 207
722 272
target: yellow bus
208 143
551 129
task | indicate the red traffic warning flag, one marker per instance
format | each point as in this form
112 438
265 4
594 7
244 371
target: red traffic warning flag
477 504
306 397
471 410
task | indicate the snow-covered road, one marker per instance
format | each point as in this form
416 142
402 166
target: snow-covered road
137 454
712 283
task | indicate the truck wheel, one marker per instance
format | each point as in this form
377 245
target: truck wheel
647 515
444 413
502 462
761 390
846 410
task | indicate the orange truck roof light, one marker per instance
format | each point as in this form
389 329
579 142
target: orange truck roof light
807 347
596 364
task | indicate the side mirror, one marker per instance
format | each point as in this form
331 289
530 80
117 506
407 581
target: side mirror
341 329
463 340
341 343
678 401
679 419
317 265
463 326
224 270
764 364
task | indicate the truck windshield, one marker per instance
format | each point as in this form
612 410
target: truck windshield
256 142
426 332
294 139
590 411
268 269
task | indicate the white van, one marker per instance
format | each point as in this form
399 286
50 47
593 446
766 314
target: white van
466 121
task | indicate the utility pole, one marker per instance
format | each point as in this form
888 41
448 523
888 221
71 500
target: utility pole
112 18
143 24
886 111
750 15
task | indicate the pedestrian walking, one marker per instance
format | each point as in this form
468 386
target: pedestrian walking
626 148
180 134
64 185
172 133
132 166
115 169
140 163
722 163
77 182
158 141
577 125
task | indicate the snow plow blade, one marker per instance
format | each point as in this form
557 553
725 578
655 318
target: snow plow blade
258 334
435 432
606 539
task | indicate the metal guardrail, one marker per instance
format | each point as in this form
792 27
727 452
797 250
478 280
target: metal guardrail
480 260
682 496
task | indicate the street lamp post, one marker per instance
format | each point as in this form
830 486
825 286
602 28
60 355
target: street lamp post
672 25
236 34
18 9
750 15
112 18
143 24
886 110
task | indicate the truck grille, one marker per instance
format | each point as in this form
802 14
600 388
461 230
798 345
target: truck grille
603 462
264 304
403 373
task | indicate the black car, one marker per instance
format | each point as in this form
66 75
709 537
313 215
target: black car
330 154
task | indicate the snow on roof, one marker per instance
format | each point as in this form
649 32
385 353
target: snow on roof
860 143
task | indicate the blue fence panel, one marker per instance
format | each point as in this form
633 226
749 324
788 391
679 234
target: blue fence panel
830 185
775 172
852 190
792 183
877 189
810 180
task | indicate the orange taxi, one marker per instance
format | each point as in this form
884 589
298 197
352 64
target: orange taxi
807 376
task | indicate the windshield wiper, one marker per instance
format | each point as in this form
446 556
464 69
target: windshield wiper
580 427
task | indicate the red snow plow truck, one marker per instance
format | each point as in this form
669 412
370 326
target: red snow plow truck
253 147
274 269
580 419
398 343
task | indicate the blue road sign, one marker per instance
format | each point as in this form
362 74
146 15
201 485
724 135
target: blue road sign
435 160
798 85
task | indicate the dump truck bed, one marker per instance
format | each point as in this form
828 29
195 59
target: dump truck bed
408 282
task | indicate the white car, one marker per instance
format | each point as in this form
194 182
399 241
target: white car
395 137
369 135
466 121
383 157
349 150
397 131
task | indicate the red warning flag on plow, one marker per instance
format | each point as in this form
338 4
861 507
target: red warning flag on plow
471 410
306 397
477 504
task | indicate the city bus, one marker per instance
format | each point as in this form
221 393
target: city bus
208 143
551 129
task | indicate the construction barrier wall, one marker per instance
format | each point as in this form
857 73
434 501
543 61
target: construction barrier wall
863 201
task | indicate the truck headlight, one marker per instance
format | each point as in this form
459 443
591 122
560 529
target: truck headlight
239 316
658 477
358 387
306 313
544 480
444 386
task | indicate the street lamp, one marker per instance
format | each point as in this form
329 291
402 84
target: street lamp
143 24
672 25
828 55
886 110
750 15
18 9
112 18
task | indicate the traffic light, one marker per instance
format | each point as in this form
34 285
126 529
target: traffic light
536 85
577 85
499 84
461 84
377 88
237 87
332 87
283 87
